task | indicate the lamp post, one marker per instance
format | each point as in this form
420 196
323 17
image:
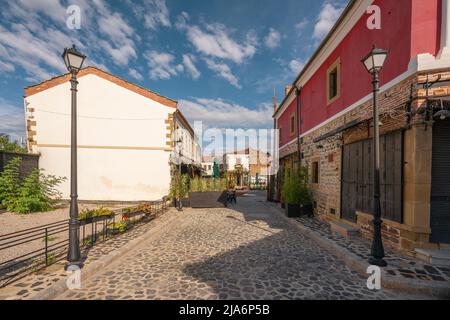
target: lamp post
374 62
179 144
74 61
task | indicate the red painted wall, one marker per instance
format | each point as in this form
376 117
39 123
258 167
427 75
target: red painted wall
408 27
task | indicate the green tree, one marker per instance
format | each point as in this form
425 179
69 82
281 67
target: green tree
11 146
10 182
37 193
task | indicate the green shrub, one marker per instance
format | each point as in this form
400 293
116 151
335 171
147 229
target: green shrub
120 226
37 193
295 187
10 183
87 213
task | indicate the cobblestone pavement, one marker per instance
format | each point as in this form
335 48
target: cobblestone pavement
33 284
245 252
398 264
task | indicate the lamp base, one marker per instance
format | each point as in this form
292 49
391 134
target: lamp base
377 262
73 266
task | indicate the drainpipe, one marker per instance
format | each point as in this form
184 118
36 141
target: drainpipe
445 29
298 92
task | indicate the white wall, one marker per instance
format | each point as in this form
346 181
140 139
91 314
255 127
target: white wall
121 139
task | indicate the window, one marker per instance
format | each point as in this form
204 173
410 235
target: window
315 172
292 127
333 82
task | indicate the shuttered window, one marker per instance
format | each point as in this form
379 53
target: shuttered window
357 177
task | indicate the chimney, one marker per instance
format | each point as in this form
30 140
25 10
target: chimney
287 89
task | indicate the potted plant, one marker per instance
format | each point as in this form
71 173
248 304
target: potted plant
175 190
132 212
117 227
89 216
297 198
291 194
306 200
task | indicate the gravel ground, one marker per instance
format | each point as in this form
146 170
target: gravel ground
13 222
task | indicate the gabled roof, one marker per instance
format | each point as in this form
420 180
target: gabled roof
179 115
47 84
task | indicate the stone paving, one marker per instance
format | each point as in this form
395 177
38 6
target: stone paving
33 284
242 252
398 264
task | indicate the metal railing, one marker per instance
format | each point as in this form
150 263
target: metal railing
33 249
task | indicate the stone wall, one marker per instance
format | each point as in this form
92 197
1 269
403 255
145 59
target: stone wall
394 105
29 162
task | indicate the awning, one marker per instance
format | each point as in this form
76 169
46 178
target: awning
344 127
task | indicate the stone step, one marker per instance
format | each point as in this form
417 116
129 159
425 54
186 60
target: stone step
344 229
434 256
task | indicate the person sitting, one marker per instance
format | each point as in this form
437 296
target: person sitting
231 196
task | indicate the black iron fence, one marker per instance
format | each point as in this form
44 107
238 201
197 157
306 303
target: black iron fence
30 250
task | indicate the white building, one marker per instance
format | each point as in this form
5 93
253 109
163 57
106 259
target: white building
189 150
125 136
208 166
238 159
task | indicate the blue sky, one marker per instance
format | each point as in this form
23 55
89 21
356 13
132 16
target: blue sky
219 59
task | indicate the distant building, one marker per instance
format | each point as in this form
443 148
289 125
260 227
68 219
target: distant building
251 164
208 166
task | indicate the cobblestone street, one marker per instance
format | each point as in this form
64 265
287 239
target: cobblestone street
242 252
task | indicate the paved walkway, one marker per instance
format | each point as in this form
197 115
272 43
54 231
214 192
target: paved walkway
245 252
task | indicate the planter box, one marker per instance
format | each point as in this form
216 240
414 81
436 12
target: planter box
132 214
292 210
211 199
307 210
298 210
95 219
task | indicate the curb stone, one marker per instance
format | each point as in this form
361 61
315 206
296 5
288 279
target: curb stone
91 269
351 260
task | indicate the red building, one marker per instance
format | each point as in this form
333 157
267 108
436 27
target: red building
332 136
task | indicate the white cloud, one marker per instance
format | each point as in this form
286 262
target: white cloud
153 13
215 41
120 46
225 114
50 8
223 71
302 24
188 62
296 65
157 15
7 67
273 39
135 74
13 120
34 33
161 65
327 17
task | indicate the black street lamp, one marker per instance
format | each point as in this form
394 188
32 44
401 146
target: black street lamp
374 62
74 61
179 144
